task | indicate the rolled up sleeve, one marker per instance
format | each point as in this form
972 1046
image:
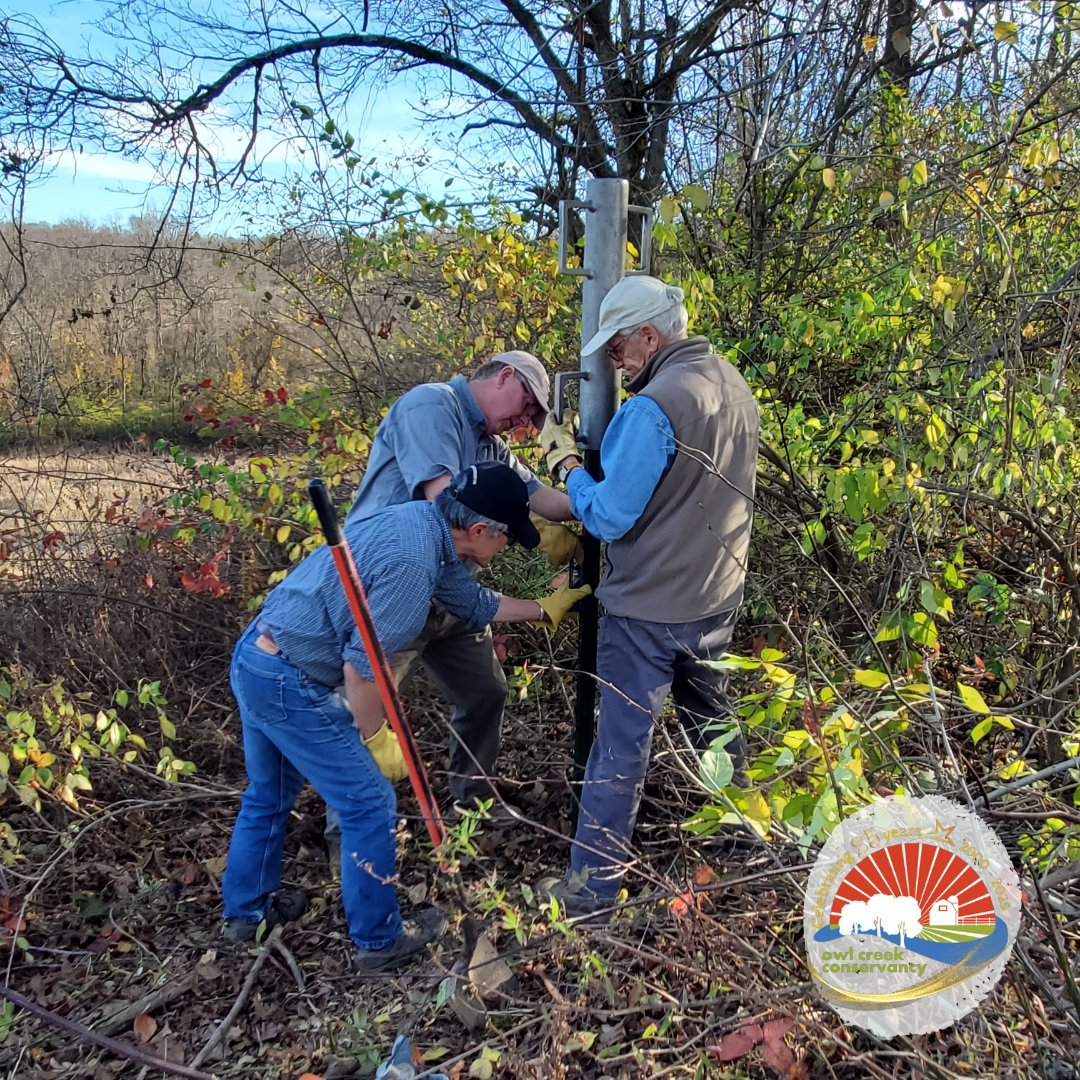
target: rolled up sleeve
463 598
427 443
637 449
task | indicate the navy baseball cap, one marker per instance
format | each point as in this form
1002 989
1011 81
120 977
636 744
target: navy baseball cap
496 492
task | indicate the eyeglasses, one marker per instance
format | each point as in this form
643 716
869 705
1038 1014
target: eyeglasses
614 349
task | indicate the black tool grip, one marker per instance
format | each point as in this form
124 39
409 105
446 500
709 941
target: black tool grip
320 499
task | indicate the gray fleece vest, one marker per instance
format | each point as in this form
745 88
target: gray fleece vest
685 558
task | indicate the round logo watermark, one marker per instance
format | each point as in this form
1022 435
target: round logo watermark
911 912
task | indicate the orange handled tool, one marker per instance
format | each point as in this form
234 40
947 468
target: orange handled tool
380 667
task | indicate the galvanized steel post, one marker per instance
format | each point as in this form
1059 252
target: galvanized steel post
603 265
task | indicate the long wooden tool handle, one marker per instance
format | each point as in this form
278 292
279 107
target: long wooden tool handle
380 666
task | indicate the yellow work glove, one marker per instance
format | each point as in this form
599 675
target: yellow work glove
559 441
386 750
557 542
558 603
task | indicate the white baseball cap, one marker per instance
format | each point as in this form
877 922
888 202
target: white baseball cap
629 304
534 373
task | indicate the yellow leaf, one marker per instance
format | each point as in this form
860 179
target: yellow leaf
667 210
918 172
757 807
256 473
283 533
1005 722
872 679
886 199
218 508
828 178
481 1069
274 494
1006 31
204 502
869 43
972 698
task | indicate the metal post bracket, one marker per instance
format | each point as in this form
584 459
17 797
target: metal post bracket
645 245
565 206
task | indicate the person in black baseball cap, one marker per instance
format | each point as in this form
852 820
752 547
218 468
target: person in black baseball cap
310 707
496 492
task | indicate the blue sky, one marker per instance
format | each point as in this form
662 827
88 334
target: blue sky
109 189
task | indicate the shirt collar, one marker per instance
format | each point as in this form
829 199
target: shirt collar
477 420
447 551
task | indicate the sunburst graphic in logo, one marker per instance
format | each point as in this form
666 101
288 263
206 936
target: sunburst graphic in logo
914 891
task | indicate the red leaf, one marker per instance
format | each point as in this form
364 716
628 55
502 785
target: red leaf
145 1026
282 395
500 652
680 908
188 418
149 579
205 384
810 717
778 1057
53 539
191 872
737 1043
759 643
269 397
704 874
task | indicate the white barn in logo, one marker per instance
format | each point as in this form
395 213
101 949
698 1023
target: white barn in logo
945 912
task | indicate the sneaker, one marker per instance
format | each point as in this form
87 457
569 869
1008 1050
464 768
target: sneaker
285 906
417 933
575 901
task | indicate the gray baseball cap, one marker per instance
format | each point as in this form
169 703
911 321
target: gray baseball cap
534 373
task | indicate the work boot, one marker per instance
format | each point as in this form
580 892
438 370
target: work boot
417 933
575 901
286 905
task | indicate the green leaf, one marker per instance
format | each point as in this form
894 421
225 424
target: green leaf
918 172
446 989
716 767
121 698
972 698
935 600
981 728
697 196
874 680
5 689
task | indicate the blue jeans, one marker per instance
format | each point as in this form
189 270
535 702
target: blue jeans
295 728
638 664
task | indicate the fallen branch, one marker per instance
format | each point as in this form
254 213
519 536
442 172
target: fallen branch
242 999
126 1050
283 951
154 1000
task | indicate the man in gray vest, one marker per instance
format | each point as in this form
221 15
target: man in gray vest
675 509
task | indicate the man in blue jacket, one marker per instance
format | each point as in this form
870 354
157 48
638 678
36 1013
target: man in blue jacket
296 725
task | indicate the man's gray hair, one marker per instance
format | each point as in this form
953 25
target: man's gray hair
489 369
459 516
671 325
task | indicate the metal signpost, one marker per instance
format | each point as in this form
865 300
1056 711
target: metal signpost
603 265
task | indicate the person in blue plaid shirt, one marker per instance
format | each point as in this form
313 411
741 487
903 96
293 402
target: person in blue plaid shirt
296 726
